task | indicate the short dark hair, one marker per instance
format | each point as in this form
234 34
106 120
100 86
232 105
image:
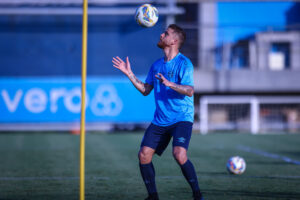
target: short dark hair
179 32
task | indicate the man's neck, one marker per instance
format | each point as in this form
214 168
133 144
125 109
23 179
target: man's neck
170 53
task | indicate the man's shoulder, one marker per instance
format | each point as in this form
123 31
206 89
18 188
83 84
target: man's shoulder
184 61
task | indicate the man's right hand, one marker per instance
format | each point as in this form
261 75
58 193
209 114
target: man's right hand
121 65
118 63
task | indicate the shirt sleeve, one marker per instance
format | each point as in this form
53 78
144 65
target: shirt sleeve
187 73
150 76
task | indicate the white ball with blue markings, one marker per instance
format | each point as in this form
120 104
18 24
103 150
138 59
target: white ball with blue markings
236 165
146 15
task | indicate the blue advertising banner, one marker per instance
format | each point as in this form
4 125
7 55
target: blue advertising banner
58 100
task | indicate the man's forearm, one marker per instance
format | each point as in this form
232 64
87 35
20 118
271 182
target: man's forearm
182 89
139 85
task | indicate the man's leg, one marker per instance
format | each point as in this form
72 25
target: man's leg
147 170
188 170
155 140
182 133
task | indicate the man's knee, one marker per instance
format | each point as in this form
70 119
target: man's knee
145 155
180 155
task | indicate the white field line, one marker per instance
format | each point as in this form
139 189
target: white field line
269 155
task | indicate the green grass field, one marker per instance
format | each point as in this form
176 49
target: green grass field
46 166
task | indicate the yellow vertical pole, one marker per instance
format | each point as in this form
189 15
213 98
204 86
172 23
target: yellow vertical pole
83 94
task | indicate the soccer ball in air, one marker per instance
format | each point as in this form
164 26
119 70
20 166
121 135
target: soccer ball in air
236 165
146 15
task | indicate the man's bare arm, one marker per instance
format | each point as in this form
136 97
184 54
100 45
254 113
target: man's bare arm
144 88
182 89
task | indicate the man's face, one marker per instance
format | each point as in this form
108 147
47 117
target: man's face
167 38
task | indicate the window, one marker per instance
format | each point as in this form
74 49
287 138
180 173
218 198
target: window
240 55
279 56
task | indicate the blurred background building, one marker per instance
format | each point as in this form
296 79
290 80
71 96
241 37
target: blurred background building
245 54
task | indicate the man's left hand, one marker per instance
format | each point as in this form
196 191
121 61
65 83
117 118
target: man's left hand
163 80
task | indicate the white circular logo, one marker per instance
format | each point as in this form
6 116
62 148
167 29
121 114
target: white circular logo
106 101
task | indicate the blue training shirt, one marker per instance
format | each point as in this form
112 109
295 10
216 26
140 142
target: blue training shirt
171 106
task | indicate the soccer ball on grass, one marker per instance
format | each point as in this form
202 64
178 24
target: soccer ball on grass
146 15
236 165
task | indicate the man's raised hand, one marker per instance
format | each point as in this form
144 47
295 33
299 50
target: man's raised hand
121 65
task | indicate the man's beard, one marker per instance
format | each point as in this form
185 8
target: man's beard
160 44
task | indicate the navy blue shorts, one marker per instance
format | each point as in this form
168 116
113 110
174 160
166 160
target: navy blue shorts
158 137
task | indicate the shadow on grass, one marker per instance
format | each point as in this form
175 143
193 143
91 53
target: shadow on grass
251 195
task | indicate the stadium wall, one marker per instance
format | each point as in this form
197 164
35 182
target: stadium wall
51 45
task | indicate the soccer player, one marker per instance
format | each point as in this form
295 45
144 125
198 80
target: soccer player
171 77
